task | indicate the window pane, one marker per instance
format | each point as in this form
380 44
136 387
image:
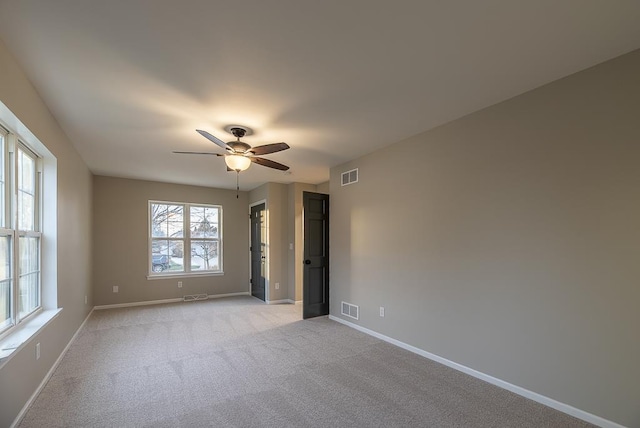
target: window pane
26 191
204 222
29 280
5 282
25 210
167 256
2 182
204 255
26 171
167 221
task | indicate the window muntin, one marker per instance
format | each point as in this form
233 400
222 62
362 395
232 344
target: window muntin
184 238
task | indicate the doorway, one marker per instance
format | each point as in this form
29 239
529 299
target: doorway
258 251
315 282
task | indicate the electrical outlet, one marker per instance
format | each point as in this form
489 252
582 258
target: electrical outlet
382 311
179 284
277 286
115 288
85 300
38 351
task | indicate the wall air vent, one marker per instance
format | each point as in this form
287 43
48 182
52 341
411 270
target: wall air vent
350 310
350 177
194 297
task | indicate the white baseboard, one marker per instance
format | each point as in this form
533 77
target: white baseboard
565 408
163 301
46 378
145 303
278 302
218 296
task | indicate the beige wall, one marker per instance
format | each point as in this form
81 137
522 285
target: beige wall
120 245
20 377
507 241
323 187
275 196
277 229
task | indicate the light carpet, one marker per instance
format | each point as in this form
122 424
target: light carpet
236 362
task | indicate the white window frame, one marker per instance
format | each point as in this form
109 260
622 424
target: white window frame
17 337
13 143
9 323
186 240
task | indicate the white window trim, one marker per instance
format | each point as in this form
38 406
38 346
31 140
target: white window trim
186 240
18 336
13 144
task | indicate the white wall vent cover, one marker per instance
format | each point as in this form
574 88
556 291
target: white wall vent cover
350 177
194 297
350 310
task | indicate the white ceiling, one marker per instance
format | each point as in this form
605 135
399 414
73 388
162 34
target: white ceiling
130 80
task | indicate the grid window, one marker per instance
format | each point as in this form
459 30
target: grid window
20 235
184 238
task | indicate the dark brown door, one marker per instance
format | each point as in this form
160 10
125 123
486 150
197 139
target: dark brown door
315 284
258 238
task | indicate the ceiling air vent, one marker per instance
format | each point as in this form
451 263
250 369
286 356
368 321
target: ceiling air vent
350 310
350 177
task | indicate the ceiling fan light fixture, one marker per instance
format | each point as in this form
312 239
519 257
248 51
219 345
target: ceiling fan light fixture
237 163
239 154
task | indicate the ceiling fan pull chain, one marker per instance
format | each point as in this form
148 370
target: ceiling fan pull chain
237 184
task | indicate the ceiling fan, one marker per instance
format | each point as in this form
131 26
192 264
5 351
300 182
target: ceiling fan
239 154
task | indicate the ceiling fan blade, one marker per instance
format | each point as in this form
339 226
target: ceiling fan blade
215 140
197 153
269 163
269 148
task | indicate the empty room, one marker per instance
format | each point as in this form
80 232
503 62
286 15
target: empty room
315 214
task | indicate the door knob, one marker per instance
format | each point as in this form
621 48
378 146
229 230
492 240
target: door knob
307 262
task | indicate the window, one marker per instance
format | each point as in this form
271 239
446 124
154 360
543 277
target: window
20 232
184 238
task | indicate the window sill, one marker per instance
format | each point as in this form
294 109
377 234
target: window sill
184 275
22 335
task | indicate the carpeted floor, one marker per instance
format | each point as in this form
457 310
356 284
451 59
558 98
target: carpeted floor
237 362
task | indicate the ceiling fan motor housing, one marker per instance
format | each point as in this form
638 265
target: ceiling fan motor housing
238 132
239 146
